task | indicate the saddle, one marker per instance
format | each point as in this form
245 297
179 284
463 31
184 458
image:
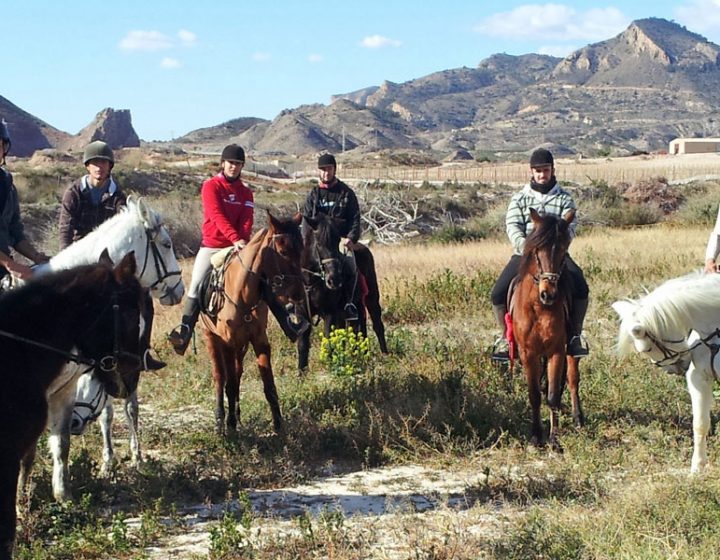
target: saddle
211 291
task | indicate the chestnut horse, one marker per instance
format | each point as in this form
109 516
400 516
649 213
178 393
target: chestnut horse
540 311
326 274
94 310
270 259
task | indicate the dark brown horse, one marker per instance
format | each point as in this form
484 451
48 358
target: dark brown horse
329 280
271 258
88 314
540 311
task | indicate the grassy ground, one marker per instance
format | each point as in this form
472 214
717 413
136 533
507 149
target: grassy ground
621 489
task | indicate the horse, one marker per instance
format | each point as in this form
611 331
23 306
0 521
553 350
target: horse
676 326
540 311
271 258
326 274
88 314
139 229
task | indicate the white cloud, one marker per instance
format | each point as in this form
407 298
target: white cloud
261 57
547 20
187 38
314 58
701 16
168 62
145 41
379 42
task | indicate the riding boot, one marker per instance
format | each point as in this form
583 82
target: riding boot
292 325
501 351
150 363
576 347
181 335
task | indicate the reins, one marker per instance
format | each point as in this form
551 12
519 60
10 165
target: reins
161 269
672 357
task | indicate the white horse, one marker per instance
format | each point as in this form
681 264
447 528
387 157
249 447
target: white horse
677 326
136 228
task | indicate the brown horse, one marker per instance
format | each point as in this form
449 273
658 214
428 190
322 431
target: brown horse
540 311
272 258
88 314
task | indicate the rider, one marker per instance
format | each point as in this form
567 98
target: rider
228 206
545 195
12 234
336 199
90 201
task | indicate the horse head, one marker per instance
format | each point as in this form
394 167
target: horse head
282 268
117 294
545 252
323 247
667 347
160 271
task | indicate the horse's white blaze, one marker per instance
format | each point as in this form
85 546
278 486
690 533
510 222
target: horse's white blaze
683 315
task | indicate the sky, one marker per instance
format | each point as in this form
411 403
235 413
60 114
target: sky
187 64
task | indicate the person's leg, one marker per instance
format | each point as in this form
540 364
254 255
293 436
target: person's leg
499 303
580 302
292 325
180 337
150 363
349 286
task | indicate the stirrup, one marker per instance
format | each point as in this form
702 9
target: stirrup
180 337
151 363
578 347
501 350
351 312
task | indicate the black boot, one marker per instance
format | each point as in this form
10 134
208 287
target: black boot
292 325
576 346
501 352
149 362
181 335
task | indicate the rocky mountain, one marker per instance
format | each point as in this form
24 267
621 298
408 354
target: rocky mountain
634 92
110 125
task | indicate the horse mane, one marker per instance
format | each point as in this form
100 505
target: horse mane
549 231
321 235
690 302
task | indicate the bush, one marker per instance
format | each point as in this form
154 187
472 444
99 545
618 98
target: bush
344 353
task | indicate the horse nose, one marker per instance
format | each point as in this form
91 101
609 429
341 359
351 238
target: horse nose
76 427
546 297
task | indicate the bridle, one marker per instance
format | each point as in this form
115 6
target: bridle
161 268
551 277
106 364
95 406
672 357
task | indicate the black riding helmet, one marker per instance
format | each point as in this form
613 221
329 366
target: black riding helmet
232 152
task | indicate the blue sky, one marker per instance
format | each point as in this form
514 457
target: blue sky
184 65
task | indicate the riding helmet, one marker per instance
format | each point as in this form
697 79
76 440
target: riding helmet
232 152
326 160
98 150
541 157
5 135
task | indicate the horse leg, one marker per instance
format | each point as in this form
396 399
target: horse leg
573 380
556 384
700 384
9 473
303 348
375 312
108 455
533 373
219 368
23 490
232 389
132 412
60 412
262 352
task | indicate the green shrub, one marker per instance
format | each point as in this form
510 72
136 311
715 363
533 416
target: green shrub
344 353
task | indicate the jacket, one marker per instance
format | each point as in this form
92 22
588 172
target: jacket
228 212
79 216
337 201
11 228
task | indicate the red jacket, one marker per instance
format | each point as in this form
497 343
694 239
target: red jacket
228 211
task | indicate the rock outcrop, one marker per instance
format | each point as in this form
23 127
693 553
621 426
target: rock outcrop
109 125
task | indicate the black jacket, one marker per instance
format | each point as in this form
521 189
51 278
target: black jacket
338 201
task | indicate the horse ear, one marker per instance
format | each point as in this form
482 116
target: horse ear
624 308
534 216
127 267
569 216
297 218
105 258
272 220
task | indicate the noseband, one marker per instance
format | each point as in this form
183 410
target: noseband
550 277
95 406
161 269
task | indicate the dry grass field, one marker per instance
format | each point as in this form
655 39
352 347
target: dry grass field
424 454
